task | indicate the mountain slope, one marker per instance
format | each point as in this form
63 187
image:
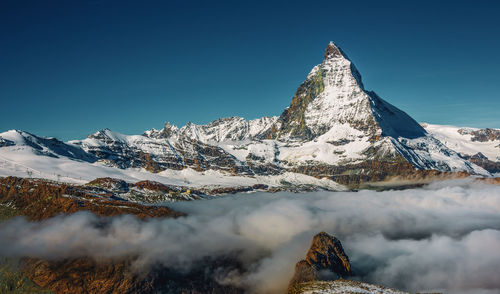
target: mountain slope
345 287
331 120
481 146
333 128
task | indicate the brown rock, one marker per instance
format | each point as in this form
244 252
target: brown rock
42 199
325 260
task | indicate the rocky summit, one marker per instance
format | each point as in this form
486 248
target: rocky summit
333 129
325 260
324 270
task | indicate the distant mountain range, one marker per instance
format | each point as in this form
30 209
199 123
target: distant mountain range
335 135
334 129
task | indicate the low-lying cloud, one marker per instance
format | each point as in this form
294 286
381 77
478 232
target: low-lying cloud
445 236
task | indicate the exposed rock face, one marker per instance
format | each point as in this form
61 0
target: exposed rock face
330 106
479 146
51 147
157 155
40 200
110 183
324 269
154 192
85 275
224 129
332 96
5 142
332 126
484 162
325 260
482 135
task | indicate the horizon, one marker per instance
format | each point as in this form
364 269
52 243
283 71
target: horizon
71 69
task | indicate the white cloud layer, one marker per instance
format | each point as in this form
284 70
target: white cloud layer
445 236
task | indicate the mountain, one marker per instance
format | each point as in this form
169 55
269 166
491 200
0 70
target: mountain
325 260
480 146
334 129
324 269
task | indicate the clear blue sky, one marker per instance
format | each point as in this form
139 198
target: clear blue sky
69 68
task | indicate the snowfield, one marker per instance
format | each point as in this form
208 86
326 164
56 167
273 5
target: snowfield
462 143
345 287
23 161
332 121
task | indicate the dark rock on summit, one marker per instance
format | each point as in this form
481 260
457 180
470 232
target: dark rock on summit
325 260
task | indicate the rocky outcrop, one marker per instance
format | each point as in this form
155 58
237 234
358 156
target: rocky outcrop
333 128
482 161
331 108
491 181
110 183
478 146
39 200
86 275
325 268
482 135
5 142
325 260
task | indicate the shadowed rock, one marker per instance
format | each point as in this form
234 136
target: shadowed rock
325 260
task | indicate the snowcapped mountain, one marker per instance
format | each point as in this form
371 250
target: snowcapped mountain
224 129
333 128
480 146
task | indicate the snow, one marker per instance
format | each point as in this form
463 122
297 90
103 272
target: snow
342 100
462 143
346 121
225 129
19 159
429 153
345 287
329 147
266 149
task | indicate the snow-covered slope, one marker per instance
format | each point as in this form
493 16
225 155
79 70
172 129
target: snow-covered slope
467 140
225 129
333 128
345 287
479 146
331 120
36 159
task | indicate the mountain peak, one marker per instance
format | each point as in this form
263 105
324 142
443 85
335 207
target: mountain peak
325 260
332 51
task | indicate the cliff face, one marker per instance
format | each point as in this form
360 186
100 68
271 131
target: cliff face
332 124
39 200
85 275
325 260
479 146
324 270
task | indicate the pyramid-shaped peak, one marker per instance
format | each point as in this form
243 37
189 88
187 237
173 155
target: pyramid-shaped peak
332 51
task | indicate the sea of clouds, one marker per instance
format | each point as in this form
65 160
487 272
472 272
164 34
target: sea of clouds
443 237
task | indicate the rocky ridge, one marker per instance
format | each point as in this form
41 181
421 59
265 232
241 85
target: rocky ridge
325 268
38 200
325 260
479 146
333 128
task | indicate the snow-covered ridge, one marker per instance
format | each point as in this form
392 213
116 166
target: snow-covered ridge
461 140
332 122
24 160
225 129
345 287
